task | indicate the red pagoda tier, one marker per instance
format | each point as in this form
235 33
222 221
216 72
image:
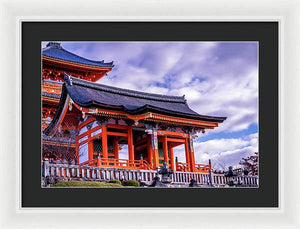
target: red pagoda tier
99 119
55 61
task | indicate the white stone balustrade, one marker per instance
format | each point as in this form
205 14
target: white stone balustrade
105 174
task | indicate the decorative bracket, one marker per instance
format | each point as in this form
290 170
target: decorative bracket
71 104
68 79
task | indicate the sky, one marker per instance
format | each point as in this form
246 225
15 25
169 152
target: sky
217 78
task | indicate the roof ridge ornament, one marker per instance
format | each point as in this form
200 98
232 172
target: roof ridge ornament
68 79
184 98
54 44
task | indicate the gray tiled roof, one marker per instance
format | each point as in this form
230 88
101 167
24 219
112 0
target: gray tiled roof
88 94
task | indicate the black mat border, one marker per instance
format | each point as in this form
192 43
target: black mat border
264 32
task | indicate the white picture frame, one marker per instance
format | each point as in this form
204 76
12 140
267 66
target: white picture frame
284 11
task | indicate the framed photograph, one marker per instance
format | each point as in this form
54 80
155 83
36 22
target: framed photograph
99 135
176 115
106 125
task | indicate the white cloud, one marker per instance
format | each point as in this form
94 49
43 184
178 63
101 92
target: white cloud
123 153
212 85
222 152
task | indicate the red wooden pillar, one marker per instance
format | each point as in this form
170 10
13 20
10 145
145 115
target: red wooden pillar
192 155
155 158
77 150
187 154
90 147
116 148
130 144
165 149
192 161
104 141
172 158
149 151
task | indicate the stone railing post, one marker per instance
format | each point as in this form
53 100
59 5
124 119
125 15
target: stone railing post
176 163
46 168
210 173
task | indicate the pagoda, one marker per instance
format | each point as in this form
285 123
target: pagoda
102 118
55 62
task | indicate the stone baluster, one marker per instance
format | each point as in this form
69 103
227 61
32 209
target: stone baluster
93 173
52 171
111 174
78 172
46 168
82 172
96 173
126 175
57 171
67 172
72 172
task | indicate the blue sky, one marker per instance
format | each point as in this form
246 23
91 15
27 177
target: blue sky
217 78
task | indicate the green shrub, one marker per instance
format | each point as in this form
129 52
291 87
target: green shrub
115 182
75 183
132 183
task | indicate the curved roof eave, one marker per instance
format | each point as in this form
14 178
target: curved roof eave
56 51
92 95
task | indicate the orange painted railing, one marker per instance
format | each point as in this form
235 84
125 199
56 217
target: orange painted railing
93 162
184 167
51 87
202 168
118 163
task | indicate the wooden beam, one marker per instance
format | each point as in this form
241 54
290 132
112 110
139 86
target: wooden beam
122 138
205 124
89 131
181 140
174 144
152 117
117 134
171 133
91 119
115 126
137 148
